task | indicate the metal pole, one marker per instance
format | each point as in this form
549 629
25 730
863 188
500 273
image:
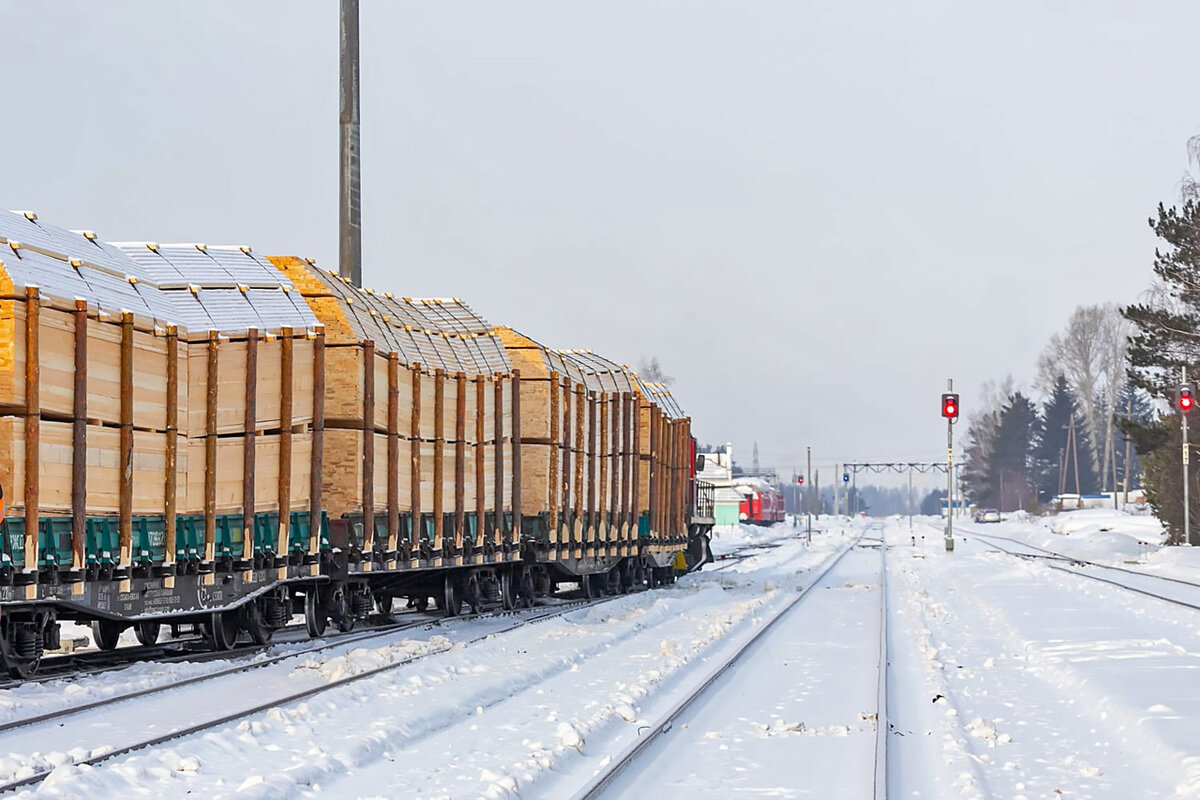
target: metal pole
910 502
808 496
350 196
950 477
837 489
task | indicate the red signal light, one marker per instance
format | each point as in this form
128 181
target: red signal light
800 480
1185 399
950 406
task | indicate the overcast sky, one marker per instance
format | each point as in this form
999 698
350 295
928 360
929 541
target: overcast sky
812 213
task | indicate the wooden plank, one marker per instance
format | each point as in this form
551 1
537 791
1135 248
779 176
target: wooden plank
33 411
79 440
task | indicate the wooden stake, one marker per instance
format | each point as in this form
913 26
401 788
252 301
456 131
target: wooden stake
286 389
460 459
368 445
580 454
439 405
393 452
498 478
125 501
79 442
33 415
603 489
210 451
171 487
317 460
515 537
627 514
555 480
249 423
414 442
592 527
568 434
480 452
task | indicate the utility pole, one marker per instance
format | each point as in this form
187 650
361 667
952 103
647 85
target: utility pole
350 194
837 490
808 496
1128 441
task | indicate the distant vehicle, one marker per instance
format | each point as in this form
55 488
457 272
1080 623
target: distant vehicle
762 506
987 515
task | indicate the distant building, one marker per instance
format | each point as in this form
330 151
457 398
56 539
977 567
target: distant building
718 470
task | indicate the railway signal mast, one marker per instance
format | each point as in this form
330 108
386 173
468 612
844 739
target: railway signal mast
1183 400
350 191
950 410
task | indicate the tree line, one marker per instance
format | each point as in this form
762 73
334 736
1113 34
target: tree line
1102 410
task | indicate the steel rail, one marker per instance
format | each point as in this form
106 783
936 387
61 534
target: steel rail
599 783
1047 559
555 611
883 725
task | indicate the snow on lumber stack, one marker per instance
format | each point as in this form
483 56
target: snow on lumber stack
105 359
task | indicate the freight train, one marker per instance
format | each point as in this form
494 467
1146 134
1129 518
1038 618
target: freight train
199 435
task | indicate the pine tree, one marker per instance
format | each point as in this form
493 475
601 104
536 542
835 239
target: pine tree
1167 338
1012 458
1055 450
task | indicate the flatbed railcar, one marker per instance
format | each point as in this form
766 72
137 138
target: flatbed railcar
198 435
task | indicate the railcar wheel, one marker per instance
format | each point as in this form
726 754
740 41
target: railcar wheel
472 594
588 585
147 633
225 627
383 603
526 589
652 577
451 596
253 620
22 649
315 616
106 633
340 610
508 591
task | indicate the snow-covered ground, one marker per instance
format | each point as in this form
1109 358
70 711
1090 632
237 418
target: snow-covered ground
1006 679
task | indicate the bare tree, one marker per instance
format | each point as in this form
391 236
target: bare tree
1091 354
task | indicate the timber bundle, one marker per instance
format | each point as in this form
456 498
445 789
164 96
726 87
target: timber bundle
169 409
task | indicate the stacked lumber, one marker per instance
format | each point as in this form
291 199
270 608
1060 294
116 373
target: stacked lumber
129 390
418 401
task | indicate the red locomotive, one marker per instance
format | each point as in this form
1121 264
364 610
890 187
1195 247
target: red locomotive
762 504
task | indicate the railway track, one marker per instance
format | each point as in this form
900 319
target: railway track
1171 590
519 618
637 751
